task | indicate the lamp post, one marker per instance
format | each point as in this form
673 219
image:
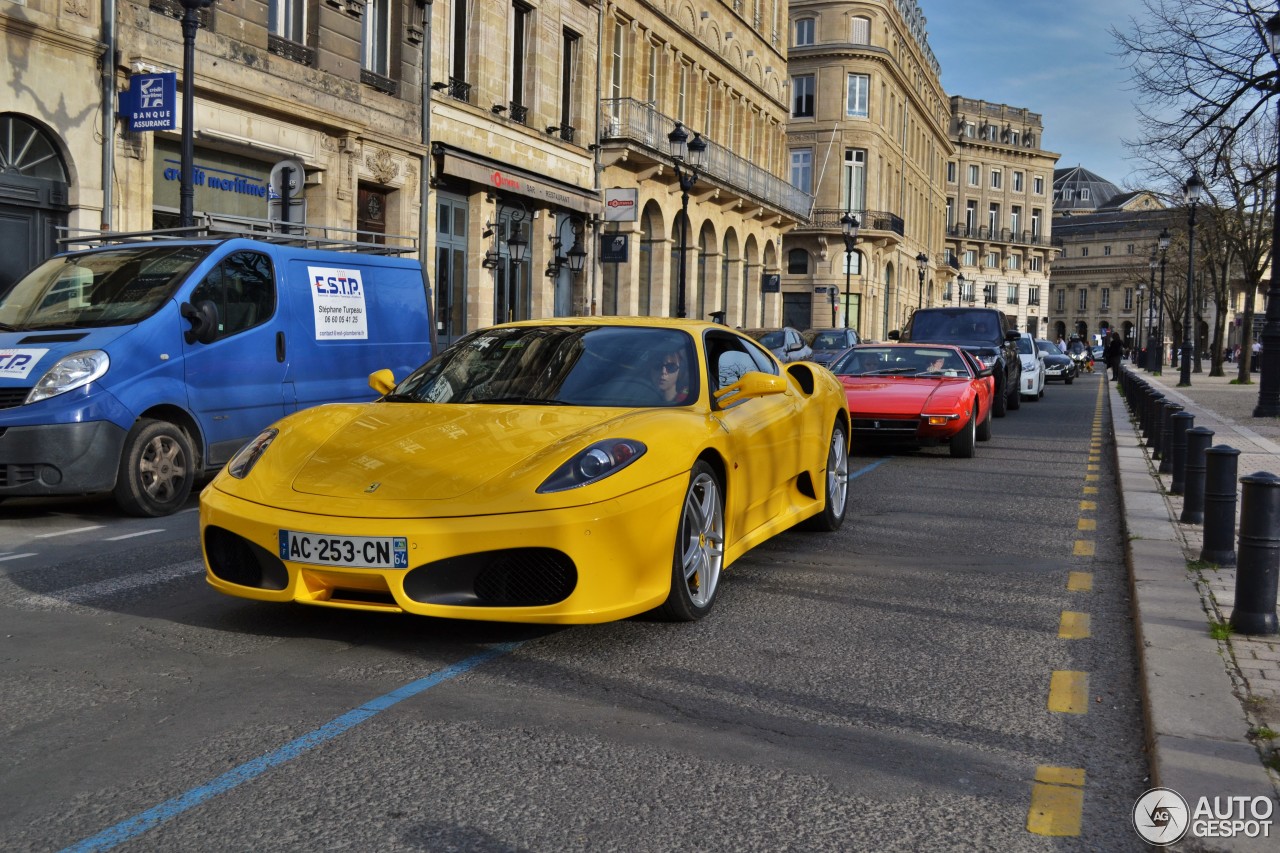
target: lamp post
1191 193
1163 242
186 188
959 288
922 265
1146 318
1137 344
849 223
1269 378
694 150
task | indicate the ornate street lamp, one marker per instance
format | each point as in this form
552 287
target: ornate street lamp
1137 344
186 187
849 224
959 288
922 265
1163 241
1146 319
687 155
1269 380
1191 194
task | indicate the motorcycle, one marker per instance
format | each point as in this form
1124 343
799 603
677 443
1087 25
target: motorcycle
1083 360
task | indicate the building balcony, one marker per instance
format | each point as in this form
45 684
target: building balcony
986 234
631 123
878 226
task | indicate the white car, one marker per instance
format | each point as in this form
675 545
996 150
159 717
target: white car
1033 375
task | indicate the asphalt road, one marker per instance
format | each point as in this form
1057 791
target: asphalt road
884 688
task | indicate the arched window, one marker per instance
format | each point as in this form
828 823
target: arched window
26 150
804 31
861 31
797 262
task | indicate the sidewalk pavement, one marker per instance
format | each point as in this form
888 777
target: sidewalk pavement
1212 706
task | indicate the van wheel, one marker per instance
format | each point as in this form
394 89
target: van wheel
999 403
1015 397
157 470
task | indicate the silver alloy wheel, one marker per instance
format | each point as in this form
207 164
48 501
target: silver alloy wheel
702 532
162 468
837 473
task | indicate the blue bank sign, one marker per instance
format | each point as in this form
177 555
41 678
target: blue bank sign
151 102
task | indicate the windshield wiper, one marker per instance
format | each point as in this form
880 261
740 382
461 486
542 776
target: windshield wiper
524 401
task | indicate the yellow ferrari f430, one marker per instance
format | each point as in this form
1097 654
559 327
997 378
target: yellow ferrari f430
558 471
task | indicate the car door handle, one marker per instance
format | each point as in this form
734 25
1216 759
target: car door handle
280 347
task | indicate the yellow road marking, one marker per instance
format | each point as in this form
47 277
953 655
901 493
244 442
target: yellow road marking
1087 524
1083 548
1073 626
1092 467
1090 490
1069 692
1090 478
1080 581
1087 505
1057 801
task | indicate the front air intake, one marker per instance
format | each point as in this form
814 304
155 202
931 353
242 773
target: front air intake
512 577
234 559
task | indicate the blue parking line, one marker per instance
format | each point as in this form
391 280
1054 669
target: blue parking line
867 470
153 817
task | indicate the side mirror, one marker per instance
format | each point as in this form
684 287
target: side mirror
987 371
749 385
203 319
894 335
1012 335
382 381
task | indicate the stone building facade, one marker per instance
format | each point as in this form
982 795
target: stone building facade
868 135
719 70
999 211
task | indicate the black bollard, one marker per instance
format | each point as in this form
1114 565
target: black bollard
1198 441
1219 545
1259 566
1166 436
1182 421
1154 405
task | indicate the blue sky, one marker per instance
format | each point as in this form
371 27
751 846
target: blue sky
1053 57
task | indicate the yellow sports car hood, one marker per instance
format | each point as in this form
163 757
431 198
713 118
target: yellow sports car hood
421 459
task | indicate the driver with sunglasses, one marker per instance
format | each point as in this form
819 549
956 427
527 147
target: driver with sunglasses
670 379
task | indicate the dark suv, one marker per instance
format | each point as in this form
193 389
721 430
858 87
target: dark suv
986 333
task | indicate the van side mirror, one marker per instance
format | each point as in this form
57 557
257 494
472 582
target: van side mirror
1012 335
894 335
203 319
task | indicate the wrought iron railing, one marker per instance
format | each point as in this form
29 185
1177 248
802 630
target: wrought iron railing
635 121
997 235
828 219
459 90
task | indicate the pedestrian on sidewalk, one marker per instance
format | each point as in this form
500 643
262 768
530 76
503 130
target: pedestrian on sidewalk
1113 353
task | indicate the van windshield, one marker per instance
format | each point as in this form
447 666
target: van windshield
113 287
960 327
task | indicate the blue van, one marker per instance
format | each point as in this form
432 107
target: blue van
136 366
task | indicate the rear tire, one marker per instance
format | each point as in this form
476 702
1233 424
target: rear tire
157 470
836 498
962 442
699 550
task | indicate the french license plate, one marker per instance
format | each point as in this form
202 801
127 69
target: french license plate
355 552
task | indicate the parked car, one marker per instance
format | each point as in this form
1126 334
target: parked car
829 343
786 343
1032 367
917 394
555 471
134 366
1056 365
986 333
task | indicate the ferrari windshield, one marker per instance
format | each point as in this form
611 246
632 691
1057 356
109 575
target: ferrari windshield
901 361
114 287
567 365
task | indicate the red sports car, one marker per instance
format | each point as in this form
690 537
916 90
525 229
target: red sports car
919 394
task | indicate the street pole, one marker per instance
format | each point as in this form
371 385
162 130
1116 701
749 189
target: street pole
1164 241
1137 344
186 186
922 265
687 175
1269 378
1192 196
849 225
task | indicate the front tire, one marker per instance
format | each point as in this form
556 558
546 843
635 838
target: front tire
157 470
962 442
999 402
699 550
984 428
1015 396
837 486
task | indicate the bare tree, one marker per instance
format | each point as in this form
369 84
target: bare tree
1203 76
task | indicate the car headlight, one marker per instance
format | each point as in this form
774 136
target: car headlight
246 457
69 373
600 460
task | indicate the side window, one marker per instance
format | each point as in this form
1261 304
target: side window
242 288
